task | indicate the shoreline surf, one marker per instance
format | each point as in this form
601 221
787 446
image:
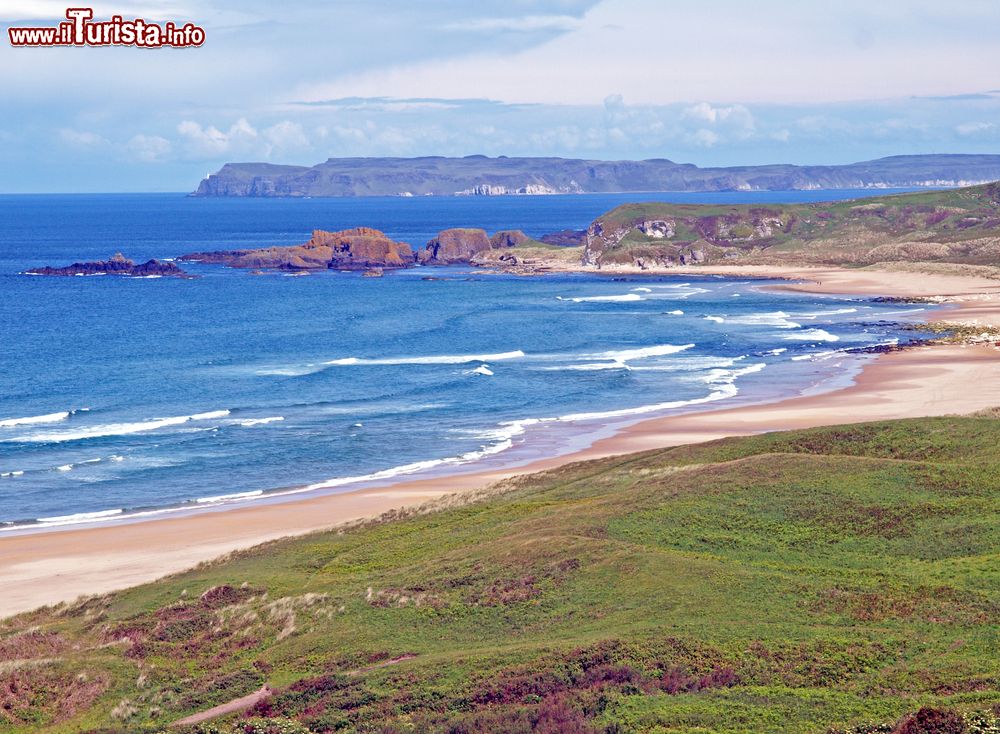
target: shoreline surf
586 427
48 567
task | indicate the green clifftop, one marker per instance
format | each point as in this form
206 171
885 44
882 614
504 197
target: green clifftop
957 225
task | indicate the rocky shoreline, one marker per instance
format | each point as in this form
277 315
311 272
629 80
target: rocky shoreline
368 250
118 265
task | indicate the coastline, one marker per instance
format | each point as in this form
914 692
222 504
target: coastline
49 567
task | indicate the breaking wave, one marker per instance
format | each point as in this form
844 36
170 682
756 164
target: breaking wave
48 418
816 335
441 359
624 298
248 422
116 429
79 517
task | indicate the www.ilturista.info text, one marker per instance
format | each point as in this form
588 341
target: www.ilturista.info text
81 30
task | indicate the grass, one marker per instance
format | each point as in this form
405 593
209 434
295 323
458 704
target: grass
803 581
953 226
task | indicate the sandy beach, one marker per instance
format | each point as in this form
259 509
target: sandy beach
51 567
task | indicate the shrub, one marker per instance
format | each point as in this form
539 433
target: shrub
932 721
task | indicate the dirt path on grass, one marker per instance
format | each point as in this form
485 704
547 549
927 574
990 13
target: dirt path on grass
230 707
238 705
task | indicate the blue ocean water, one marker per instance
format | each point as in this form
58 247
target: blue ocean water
124 395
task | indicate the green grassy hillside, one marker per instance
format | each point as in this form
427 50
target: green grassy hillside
793 582
957 225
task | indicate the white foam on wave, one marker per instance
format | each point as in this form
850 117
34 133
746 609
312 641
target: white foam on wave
777 319
589 367
7 474
642 290
439 359
677 292
690 364
722 380
716 319
248 422
79 517
116 429
229 497
47 418
776 352
307 369
817 335
676 312
623 298
498 439
618 359
625 355
816 314
816 355
483 369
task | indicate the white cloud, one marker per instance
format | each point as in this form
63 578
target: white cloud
522 24
704 138
211 142
662 53
707 113
81 138
286 136
975 128
148 148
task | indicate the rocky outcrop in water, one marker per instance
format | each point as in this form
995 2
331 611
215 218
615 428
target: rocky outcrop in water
508 238
118 264
360 248
452 246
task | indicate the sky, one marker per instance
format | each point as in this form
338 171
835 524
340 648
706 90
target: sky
710 82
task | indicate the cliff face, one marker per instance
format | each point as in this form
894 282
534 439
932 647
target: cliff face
482 176
959 225
117 264
350 249
454 246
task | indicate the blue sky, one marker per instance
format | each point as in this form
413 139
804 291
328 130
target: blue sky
713 82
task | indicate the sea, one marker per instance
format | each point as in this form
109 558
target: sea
131 398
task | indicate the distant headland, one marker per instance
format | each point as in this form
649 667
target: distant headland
478 175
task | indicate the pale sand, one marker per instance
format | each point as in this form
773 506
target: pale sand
50 567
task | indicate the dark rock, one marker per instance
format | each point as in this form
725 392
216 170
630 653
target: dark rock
508 238
566 238
454 246
118 264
